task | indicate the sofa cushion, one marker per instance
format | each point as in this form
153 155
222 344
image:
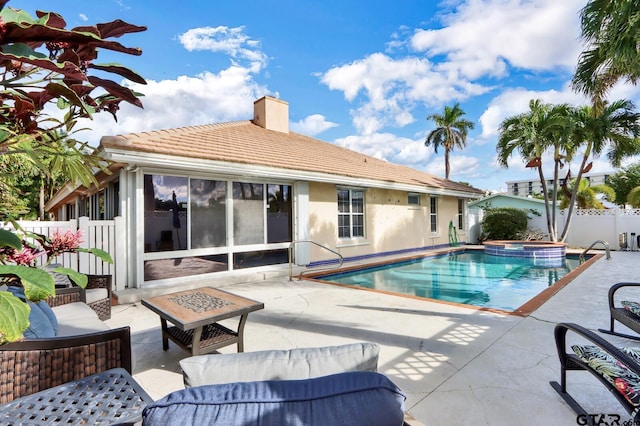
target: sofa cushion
632 307
354 398
300 363
77 318
42 321
625 381
95 294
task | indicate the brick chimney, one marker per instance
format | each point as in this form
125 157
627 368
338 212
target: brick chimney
271 114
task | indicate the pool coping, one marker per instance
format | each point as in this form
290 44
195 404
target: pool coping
523 310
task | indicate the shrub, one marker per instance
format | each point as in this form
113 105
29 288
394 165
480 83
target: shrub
504 223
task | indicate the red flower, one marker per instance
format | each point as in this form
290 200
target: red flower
24 257
62 242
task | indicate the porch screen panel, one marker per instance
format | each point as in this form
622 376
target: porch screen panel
165 213
248 213
208 213
279 223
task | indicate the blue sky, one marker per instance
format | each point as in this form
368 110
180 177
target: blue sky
363 75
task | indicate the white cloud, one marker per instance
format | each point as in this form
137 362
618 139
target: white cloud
83 17
231 41
481 36
312 125
186 101
388 147
516 101
392 88
462 167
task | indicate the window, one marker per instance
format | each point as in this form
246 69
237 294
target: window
350 213
460 214
434 214
208 213
213 222
515 189
165 213
279 209
413 199
530 188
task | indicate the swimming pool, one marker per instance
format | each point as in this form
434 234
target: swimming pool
466 277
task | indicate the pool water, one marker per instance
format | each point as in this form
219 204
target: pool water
468 277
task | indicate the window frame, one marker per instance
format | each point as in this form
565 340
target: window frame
415 196
433 214
351 214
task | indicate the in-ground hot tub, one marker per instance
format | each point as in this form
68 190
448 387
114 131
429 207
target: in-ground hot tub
529 249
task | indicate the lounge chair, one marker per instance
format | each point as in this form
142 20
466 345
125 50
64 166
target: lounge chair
627 312
618 369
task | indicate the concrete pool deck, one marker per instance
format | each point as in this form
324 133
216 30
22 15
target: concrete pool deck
456 365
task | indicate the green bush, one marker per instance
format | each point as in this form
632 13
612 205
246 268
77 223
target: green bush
503 223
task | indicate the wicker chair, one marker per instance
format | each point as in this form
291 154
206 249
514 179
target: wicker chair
618 313
33 365
612 366
96 284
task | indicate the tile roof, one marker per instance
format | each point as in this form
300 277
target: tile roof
247 143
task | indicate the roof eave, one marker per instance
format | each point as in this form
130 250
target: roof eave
171 162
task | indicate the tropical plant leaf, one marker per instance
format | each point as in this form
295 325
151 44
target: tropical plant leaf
14 317
120 70
9 239
22 53
99 253
38 284
116 90
79 279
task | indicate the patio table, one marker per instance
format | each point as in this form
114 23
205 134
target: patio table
195 314
110 397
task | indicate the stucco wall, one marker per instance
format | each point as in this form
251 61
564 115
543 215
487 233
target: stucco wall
390 222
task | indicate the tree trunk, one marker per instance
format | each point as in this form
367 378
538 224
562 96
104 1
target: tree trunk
574 192
41 203
446 163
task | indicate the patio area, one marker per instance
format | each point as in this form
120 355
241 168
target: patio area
456 365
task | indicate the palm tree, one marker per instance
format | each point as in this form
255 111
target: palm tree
451 132
612 127
611 30
633 199
531 134
587 195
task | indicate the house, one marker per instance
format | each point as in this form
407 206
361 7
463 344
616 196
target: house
536 208
226 197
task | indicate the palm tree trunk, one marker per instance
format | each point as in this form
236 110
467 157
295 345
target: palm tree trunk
446 164
574 192
543 182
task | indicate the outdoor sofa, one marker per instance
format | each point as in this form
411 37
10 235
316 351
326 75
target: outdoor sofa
83 345
304 386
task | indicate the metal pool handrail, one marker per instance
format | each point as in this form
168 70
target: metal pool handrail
606 248
293 243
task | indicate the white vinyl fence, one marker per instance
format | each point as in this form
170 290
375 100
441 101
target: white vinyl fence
107 235
620 228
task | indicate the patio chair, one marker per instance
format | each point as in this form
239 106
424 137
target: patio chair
97 293
627 312
32 365
618 369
